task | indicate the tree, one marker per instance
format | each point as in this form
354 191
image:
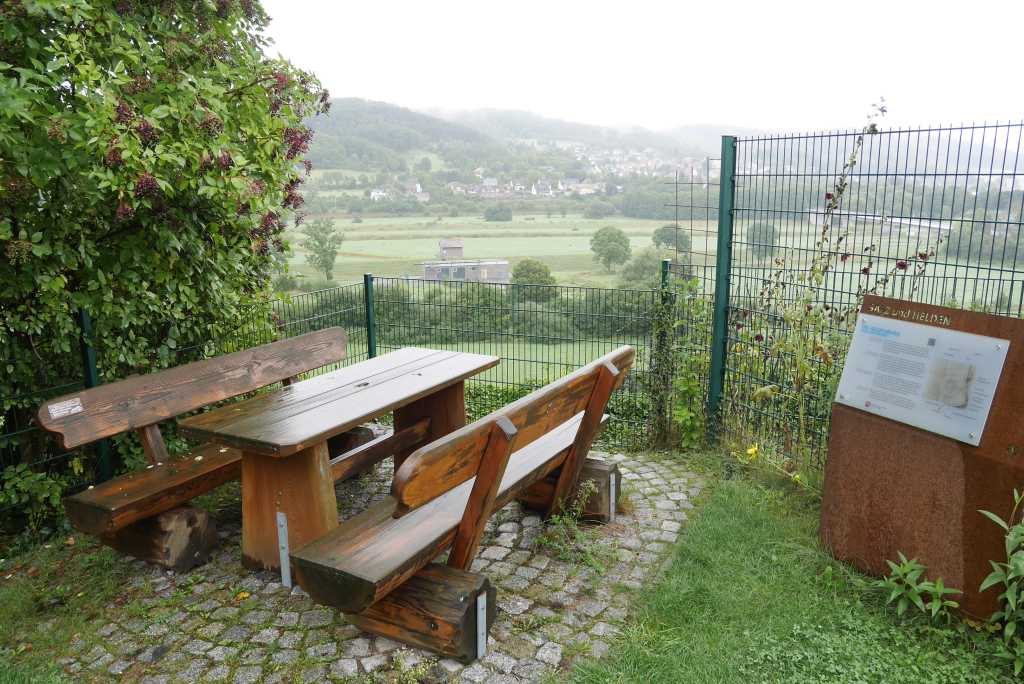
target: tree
534 272
498 212
322 242
424 165
598 210
669 237
763 239
610 247
643 271
149 154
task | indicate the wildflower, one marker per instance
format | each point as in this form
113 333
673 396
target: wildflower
759 337
752 452
901 265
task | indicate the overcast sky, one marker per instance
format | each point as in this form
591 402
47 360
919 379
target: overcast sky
776 65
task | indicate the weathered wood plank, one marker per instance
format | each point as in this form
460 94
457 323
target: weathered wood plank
301 487
178 539
123 500
153 444
481 496
447 462
304 414
436 610
375 552
446 410
598 506
143 400
365 456
607 376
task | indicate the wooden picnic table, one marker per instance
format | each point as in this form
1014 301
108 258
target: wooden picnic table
283 436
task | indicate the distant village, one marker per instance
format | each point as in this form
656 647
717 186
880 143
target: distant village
603 167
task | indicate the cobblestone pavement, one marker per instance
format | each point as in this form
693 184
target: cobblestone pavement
223 623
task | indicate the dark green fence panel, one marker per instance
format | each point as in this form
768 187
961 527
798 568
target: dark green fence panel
540 333
928 214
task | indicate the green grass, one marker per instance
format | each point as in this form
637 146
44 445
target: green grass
395 245
47 597
749 597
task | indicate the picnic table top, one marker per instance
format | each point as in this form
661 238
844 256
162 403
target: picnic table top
303 414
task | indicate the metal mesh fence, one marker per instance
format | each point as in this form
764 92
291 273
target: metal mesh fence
928 215
540 332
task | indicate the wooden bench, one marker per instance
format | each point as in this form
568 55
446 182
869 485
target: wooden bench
377 567
139 513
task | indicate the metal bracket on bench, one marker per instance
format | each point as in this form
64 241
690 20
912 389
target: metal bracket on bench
611 496
481 624
282 547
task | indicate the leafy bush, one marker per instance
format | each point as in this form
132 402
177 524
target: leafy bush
763 239
35 494
1009 575
498 212
905 588
149 159
598 210
534 272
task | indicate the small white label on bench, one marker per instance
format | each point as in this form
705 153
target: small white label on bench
65 408
481 624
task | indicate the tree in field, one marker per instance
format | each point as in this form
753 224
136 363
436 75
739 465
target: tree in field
322 242
610 247
668 237
763 239
498 212
642 271
534 272
148 155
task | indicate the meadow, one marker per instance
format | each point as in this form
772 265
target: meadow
394 246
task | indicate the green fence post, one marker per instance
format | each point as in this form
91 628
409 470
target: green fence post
371 317
723 265
91 378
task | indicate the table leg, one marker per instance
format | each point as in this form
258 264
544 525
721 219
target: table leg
446 410
301 486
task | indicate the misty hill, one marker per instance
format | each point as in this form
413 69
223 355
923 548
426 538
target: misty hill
367 135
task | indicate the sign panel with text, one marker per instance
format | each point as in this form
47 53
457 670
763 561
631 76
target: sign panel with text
935 379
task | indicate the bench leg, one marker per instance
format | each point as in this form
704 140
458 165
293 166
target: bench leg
301 486
446 410
600 506
436 609
178 539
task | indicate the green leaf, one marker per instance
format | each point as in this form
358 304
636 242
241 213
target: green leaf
996 519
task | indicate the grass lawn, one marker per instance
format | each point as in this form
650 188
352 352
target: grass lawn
749 597
395 245
51 596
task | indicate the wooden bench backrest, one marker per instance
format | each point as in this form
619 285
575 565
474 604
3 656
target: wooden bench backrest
140 402
482 448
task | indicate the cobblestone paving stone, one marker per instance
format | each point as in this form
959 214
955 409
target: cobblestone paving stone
223 623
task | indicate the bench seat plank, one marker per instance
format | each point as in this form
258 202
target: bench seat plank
374 552
123 500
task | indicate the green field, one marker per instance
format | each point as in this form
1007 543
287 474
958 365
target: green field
393 246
